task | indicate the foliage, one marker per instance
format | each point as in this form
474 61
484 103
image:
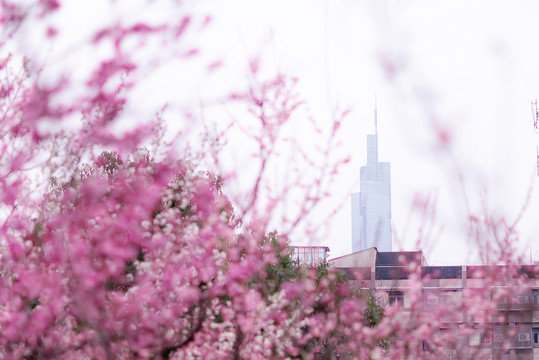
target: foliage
374 312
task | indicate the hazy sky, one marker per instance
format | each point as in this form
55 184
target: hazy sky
465 70
454 82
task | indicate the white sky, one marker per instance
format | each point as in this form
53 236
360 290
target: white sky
468 67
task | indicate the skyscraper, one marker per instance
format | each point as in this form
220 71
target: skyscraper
371 207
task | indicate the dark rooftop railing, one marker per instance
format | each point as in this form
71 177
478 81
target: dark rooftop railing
442 272
358 273
391 273
437 272
397 258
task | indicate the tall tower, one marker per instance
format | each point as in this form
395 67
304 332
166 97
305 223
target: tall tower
371 207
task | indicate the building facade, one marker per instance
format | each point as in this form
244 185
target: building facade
508 300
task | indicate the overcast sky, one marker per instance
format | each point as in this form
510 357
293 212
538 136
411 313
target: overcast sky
454 82
467 70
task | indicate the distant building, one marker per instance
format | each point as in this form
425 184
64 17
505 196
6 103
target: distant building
371 207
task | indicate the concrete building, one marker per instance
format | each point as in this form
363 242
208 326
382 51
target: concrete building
371 207
510 295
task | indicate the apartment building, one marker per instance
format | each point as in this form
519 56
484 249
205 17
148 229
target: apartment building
493 311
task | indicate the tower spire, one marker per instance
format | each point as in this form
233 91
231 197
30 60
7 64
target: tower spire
375 115
372 140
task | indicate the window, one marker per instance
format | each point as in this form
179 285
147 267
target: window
396 297
446 298
474 339
480 336
535 335
535 296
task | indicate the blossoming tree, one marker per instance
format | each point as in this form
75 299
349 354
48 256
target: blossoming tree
135 255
